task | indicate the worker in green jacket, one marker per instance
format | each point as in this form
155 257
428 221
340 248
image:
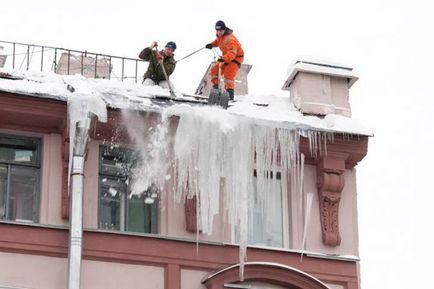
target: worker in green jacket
154 75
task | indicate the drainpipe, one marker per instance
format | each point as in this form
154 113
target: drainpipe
76 212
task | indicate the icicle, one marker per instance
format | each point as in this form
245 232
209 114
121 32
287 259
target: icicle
206 138
309 199
81 107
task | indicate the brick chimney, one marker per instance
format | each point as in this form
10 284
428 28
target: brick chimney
241 84
320 88
2 57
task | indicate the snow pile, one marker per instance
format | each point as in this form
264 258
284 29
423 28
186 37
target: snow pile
273 109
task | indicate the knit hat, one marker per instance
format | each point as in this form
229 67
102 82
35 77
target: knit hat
220 25
171 44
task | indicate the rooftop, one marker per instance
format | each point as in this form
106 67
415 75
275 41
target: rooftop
273 110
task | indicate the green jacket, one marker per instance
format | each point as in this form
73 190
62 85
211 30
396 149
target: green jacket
154 71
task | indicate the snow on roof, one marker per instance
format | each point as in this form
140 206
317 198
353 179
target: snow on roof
274 110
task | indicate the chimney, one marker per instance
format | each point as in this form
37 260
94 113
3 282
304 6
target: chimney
2 57
90 67
241 84
320 88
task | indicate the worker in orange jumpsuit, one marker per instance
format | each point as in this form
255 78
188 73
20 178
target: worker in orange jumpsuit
233 56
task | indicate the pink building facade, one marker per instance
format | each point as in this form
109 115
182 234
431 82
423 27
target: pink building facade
135 242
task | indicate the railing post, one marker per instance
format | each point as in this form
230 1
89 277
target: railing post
28 55
42 57
110 67
13 56
69 58
96 63
136 70
55 60
82 63
122 69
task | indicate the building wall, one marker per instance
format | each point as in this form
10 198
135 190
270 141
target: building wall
163 260
190 279
51 189
32 271
43 272
172 214
347 220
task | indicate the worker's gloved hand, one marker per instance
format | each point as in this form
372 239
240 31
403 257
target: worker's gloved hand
220 59
153 44
208 46
159 56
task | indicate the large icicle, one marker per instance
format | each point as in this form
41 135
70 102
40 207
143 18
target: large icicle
81 107
218 153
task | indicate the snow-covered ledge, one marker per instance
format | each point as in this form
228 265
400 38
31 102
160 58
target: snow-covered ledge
320 87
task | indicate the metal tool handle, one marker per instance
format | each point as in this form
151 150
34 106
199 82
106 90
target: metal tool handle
165 73
220 76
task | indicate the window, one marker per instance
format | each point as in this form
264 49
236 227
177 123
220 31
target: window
118 210
266 217
20 166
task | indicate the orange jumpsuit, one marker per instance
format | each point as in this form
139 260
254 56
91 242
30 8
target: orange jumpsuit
233 56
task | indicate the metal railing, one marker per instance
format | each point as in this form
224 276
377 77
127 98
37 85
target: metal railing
23 56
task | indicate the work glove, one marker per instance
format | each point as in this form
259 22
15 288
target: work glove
208 46
220 59
153 44
159 56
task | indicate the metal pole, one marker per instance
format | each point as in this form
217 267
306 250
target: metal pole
76 217
190 54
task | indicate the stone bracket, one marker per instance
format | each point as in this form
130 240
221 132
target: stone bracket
330 183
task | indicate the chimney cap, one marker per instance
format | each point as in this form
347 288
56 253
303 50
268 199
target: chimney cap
319 67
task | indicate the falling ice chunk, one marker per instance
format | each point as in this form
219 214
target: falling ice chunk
149 200
104 180
113 192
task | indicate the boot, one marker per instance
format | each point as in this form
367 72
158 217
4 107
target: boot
231 93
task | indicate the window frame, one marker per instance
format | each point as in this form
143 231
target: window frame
124 219
14 140
284 207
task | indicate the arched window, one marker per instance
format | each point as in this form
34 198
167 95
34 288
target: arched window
262 275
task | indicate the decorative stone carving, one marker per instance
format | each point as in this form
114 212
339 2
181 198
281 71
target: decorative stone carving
330 182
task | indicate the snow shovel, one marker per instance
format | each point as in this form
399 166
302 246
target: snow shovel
219 96
172 93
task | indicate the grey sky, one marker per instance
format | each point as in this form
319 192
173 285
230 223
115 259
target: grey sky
388 43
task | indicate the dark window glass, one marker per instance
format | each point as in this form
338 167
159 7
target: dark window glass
19 178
